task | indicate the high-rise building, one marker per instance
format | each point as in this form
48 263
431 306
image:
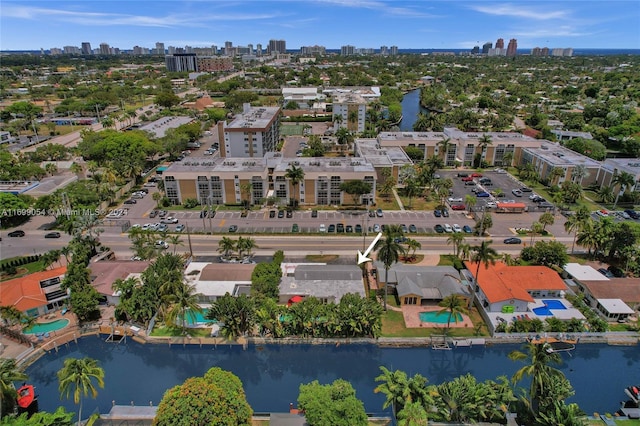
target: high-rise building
181 62
393 51
475 50
512 48
486 47
71 50
313 50
277 46
105 49
259 49
86 48
347 50
384 50
228 48
250 49
159 50
500 43
352 109
251 134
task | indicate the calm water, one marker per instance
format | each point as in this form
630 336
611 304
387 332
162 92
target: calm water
47 327
272 374
410 109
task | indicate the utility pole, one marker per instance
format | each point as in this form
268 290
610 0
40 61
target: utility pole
189 240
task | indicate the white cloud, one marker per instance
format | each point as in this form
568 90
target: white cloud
380 6
521 12
560 31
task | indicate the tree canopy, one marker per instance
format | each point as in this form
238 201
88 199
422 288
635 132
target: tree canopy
331 405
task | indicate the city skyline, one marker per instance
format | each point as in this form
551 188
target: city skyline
332 23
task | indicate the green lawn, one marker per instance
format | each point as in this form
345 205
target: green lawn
176 332
393 326
23 270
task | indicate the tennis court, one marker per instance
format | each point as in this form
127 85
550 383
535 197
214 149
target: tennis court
291 129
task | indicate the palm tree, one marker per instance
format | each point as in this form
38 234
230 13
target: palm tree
536 228
578 173
454 306
225 246
587 236
77 376
606 194
157 196
456 239
482 254
389 252
353 120
246 244
394 385
174 240
295 176
413 245
555 175
545 219
245 191
183 305
422 123
470 201
443 147
413 414
575 222
9 373
483 142
507 159
624 181
344 137
538 369
411 189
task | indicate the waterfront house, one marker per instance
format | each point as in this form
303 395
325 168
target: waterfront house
325 282
35 294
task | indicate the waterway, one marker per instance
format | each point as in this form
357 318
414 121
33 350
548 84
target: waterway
272 374
410 109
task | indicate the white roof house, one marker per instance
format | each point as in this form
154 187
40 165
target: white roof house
584 272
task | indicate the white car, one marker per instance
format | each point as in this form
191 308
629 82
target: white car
447 228
500 171
456 228
491 204
146 226
161 244
516 192
322 228
533 196
455 199
169 219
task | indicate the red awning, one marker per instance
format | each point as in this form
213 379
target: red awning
295 299
511 205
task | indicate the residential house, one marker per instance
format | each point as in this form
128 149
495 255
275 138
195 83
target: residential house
214 280
105 273
35 294
325 282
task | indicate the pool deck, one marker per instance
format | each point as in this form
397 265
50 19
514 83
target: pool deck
411 316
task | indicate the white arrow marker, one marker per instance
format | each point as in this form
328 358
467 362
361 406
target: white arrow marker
363 257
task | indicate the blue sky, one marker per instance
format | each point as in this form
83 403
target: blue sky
331 23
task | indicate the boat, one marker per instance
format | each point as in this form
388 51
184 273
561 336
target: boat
26 396
559 344
631 408
633 392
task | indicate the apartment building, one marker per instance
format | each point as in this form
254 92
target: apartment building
614 166
349 111
551 155
252 133
224 180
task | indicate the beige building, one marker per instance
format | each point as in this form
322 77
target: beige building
234 180
349 111
252 133
551 155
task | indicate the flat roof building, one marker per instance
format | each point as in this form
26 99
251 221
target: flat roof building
159 127
252 133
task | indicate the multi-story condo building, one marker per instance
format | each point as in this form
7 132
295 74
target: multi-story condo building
500 43
512 49
347 50
159 50
486 47
223 180
350 111
549 156
258 49
393 50
181 62
213 63
384 50
252 133
105 49
86 48
277 46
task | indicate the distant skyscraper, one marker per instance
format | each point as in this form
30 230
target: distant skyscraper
313 50
485 47
277 46
394 51
228 48
475 50
512 48
259 49
384 50
500 43
347 50
250 48
105 49
159 48
181 62
86 48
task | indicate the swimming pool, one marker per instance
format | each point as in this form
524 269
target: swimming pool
549 305
433 316
47 327
200 319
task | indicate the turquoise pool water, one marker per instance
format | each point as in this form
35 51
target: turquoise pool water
47 327
438 319
200 318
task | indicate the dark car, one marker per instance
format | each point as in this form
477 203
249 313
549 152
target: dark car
332 228
52 235
399 240
204 213
525 189
280 214
379 213
272 214
617 272
463 175
439 229
482 194
358 229
467 229
437 213
17 233
404 228
632 214
445 213
289 214
130 201
233 228
314 213
295 228
340 227
512 240
605 272
372 213
413 229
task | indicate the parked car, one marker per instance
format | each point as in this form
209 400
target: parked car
447 228
457 228
162 228
602 213
482 194
605 272
280 214
289 214
455 199
348 228
180 228
154 213
163 213
130 201
16 233
322 228
272 214
372 213
169 219
376 228
295 228
445 213
476 175
458 207
469 183
512 240
516 192
437 213
404 228
413 229
379 213
467 179
233 228
52 235
484 180
332 228
632 214
314 213
463 175
358 229
340 227
500 171
467 229
617 272
525 189
204 213
439 229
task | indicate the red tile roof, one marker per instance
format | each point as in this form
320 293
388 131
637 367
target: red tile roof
500 282
25 293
